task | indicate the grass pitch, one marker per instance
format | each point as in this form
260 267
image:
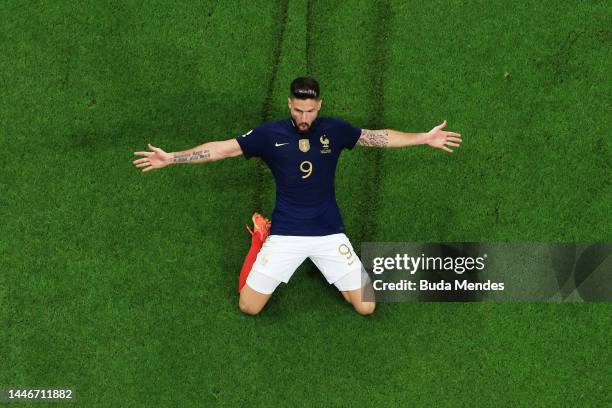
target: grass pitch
121 284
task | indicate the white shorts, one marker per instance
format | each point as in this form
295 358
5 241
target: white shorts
281 255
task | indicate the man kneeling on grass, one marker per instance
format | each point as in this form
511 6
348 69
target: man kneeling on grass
302 152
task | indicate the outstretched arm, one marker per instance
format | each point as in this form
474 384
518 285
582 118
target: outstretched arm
436 137
210 151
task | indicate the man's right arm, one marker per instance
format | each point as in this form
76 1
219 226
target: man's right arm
210 151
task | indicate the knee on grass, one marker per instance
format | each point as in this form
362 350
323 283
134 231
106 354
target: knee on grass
249 308
365 308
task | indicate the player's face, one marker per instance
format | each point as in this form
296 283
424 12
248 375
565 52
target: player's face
304 112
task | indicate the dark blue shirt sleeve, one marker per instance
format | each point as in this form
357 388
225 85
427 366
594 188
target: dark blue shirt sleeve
350 133
252 142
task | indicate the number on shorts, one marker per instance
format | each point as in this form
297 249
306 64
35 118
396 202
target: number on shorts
306 167
346 251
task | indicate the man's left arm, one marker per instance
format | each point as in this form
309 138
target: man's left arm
436 137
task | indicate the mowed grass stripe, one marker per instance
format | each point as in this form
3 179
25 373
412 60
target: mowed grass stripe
291 64
309 37
377 66
262 187
114 267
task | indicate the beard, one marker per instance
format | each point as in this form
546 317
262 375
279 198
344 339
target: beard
301 127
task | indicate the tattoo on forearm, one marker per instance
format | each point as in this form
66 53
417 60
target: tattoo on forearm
373 138
189 157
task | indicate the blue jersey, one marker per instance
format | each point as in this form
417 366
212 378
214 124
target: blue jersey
304 168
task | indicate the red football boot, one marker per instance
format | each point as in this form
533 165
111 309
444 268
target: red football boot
259 233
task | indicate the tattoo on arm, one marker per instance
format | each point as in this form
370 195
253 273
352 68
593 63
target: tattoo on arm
186 158
373 138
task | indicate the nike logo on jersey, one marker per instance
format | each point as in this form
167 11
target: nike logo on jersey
280 144
248 133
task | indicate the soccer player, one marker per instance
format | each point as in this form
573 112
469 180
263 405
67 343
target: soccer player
302 152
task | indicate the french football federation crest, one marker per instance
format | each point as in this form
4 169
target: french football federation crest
304 145
324 144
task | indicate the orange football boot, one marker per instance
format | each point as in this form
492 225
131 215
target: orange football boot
261 226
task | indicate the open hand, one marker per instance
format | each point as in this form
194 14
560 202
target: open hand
155 159
440 139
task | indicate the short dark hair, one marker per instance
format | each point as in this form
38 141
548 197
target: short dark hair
304 88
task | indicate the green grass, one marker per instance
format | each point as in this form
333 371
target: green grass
121 284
